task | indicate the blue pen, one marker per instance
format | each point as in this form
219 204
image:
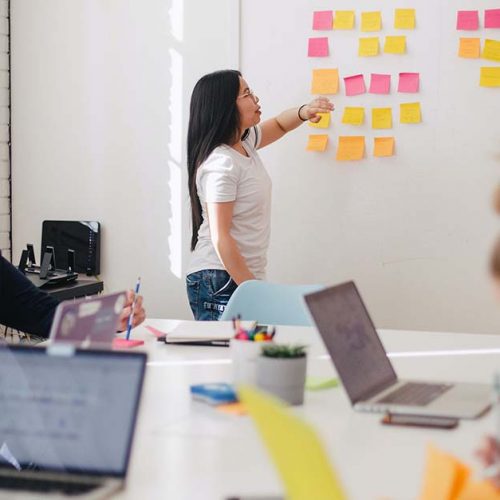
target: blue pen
129 324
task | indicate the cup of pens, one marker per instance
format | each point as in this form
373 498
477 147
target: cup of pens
246 346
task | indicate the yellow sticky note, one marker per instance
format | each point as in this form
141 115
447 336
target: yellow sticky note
383 146
343 20
395 44
381 118
353 116
444 475
404 19
491 50
351 148
324 121
325 81
295 448
490 76
469 48
368 47
317 143
475 490
371 21
410 112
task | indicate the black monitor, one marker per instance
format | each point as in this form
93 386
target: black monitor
84 237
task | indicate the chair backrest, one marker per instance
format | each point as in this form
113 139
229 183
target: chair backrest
270 303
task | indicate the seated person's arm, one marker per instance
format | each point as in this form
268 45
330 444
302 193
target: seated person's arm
23 306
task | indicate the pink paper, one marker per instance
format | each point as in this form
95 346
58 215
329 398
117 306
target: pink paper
380 84
492 18
323 20
157 333
467 20
318 47
408 82
119 343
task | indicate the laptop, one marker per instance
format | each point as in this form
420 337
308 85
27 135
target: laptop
367 373
67 420
88 322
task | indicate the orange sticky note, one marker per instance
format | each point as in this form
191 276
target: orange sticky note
325 81
324 121
351 148
232 408
444 475
383 146
469 48
317 142
475 490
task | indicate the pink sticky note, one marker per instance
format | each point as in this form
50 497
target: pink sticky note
380 84
467 20
119 343
157 333
318 47
408 82
323 20
492 18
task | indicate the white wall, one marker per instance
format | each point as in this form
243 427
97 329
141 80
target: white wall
99 111
414 231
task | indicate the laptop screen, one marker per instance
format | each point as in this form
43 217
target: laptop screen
351 340
68 412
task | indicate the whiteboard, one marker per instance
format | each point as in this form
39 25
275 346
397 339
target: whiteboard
414 230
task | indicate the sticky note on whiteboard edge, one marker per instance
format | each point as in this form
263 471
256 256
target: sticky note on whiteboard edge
383 146
318 47
324 122
351 148
317 142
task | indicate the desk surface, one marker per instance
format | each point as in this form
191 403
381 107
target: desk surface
188 450
83 287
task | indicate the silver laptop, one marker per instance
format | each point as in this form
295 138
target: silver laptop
67 420
88 322
367 373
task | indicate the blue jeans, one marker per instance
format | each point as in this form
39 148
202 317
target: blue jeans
208 292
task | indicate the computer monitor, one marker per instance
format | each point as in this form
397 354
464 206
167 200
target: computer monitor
84 237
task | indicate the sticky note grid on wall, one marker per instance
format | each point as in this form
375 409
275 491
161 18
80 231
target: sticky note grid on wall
379 37
470 24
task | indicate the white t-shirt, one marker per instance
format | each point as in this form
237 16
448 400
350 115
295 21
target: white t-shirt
227 175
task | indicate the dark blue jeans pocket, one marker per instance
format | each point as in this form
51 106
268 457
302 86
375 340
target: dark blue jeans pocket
209 292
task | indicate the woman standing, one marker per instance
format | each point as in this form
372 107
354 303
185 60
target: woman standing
229 188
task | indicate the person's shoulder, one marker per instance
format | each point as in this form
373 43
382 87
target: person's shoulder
220 160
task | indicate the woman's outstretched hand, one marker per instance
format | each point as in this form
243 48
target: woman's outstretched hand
318 105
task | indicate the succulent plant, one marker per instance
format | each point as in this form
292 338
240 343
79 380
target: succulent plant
284 351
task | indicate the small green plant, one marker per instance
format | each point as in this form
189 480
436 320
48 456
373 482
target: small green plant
284 351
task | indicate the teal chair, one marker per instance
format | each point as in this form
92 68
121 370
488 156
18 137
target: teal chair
270 303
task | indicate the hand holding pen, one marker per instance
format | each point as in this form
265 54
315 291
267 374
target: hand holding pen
133 310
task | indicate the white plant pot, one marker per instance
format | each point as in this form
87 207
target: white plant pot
283 377
244 354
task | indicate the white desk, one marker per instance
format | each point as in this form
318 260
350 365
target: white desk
188 450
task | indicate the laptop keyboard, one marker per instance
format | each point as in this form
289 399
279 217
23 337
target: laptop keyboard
45 486
415 394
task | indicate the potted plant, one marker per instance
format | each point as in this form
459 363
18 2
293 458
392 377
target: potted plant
281 370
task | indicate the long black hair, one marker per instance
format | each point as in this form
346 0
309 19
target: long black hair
213 120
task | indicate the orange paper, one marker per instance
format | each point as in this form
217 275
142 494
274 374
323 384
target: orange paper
475 490
469 48
351 148
383 146
325 81
317 143
444 475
